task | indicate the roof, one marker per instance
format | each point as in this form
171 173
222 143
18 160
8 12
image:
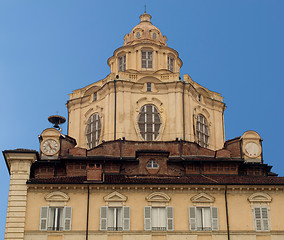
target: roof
197 179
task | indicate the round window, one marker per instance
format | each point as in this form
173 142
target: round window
138 35
93 130
149 122
152 164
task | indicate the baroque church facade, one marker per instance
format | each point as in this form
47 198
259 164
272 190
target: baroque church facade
145 158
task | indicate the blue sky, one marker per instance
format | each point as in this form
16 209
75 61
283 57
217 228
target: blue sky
50 48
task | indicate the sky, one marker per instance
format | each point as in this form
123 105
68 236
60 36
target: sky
49 48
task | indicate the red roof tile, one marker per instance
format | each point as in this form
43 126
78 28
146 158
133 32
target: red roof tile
191 179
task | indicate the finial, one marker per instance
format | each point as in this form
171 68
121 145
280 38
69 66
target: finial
145 8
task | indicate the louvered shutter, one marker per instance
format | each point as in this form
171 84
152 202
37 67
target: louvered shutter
257 218
103 218
192 218
265 220
170 218
147 219
43 218
67 218
126 218
215 220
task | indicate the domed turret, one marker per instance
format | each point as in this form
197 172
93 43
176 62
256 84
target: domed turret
145 31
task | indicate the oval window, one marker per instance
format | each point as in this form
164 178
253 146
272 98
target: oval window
149 122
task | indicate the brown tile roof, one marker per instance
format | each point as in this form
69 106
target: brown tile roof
191 179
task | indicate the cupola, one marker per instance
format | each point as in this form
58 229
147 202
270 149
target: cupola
145 31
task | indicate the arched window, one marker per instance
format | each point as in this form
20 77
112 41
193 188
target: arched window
202 131
93 131
149 122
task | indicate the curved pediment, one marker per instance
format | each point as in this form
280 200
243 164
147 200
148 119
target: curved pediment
158 197
57 197
202 198
259 198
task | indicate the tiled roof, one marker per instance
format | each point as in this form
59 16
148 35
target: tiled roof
191 179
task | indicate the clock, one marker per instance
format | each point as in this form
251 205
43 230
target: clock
252 149
50 147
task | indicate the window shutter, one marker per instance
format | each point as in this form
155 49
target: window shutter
215 221
67 218
126 218
265 220
257 218
170 218
103 218
147 219
192 218
43 218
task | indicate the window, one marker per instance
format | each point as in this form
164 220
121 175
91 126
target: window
154 35
261 219
149 122
202 131
95 96
55 218
203 219
115 218
138 35
149 87
122 63
147 59
152 164
170 64
159 218
93 130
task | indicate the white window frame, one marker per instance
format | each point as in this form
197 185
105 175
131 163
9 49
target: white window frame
214 219
105 218
147 59
148 218
93 130
171 63
261 220
64 221
202 131
122 63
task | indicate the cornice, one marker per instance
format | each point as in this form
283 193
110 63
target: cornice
172 188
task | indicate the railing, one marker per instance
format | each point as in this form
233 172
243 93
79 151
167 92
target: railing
114 228
159 228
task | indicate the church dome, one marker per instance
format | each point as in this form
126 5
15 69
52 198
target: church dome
145 31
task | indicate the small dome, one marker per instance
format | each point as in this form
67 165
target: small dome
145 31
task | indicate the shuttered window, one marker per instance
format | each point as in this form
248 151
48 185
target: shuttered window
149 122
122 63
203 219
115 218
261 219
147 59
170 64
158 218
55 218
93 131
202 131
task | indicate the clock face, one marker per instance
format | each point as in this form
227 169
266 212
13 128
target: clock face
252 150
50 147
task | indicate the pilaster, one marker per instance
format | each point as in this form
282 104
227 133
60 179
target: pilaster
19 164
